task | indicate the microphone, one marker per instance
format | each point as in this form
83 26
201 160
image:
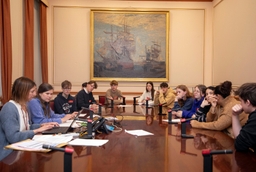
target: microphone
183 128
66 149
214 152
207 154
186 120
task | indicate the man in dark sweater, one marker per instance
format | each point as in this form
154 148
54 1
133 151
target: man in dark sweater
246 135
85 97
64 102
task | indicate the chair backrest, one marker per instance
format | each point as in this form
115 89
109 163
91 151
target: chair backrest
102 99
51 103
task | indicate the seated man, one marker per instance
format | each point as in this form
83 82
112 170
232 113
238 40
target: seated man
64 102
113 93
245 136
84 97
166 97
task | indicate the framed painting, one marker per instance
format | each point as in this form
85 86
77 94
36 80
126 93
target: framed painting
129 45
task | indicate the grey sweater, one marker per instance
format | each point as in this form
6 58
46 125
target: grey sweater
10 128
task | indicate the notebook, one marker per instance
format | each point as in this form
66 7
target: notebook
62 130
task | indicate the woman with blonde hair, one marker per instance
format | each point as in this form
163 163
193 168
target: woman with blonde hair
199 93
219 116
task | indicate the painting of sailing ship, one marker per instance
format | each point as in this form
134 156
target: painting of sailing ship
129 45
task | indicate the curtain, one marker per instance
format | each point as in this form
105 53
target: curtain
6 49
43 39
29 39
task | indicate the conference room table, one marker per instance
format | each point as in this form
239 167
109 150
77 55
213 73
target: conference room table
163 151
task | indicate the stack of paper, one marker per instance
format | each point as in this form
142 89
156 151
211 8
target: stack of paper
138 132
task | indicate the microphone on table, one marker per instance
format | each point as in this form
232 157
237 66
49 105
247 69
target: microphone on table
66 149
134 100
183 128
207 154
147 103
214 152
67 156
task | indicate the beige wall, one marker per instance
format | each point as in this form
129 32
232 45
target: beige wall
209 42
234 52
190 42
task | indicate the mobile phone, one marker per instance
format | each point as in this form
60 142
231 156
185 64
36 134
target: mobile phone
110 128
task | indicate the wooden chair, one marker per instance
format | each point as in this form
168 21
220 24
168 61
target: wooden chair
102 100
51 103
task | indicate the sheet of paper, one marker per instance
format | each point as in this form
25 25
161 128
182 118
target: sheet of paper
124 106
87 142
38 140
52 139
173 120
66 124
138 132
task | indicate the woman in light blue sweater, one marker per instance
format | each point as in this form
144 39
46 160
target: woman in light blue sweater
15 122
40 109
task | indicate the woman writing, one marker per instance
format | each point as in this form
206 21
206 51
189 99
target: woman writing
40 109
15 125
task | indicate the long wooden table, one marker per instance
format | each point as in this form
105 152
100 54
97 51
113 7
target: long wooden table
164 151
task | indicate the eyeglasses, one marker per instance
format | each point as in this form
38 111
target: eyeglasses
66 88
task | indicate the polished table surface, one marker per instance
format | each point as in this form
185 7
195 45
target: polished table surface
164 151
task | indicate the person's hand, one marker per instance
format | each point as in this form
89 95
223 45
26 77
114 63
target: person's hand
193 116
56 124
174 112
179 114
66 117
93 107
237 109
212 100
44 128
157 92
205 103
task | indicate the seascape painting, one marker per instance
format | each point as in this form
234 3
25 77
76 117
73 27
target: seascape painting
129 45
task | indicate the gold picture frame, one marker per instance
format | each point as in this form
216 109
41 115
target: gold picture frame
129 45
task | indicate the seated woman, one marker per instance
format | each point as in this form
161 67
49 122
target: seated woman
205 106
148 94
199 93
40 109
14 116
183 99
219 116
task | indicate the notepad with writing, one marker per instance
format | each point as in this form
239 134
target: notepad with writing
36 143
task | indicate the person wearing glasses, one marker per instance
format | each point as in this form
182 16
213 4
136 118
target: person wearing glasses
84 97
64 102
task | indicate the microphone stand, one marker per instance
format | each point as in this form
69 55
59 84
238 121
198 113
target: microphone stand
89 134
183 128
170 117
134 100
67 162
207 154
